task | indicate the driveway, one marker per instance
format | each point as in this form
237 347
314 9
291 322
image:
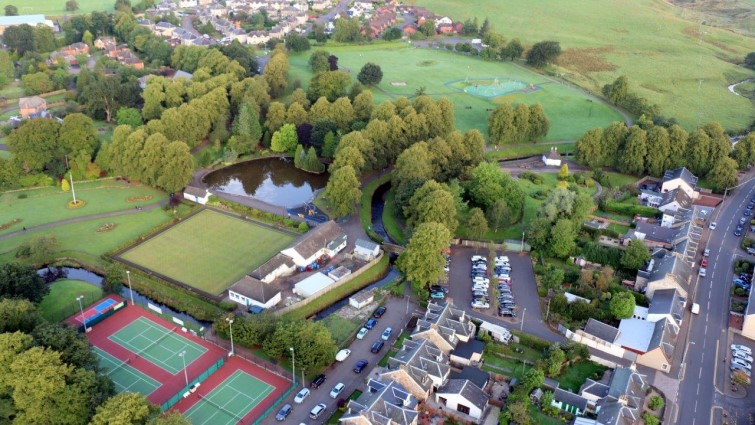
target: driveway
396 317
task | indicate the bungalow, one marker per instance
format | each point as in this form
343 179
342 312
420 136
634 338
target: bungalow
420 367
384 402
681 178
463 396
445 326
366 250
552 158
326 239
278 266
196 194
32 107
249 292
468 353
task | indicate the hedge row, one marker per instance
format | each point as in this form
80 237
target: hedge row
255 214
627 209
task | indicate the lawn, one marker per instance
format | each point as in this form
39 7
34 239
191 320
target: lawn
49 204
604 39
525 150
570 111
5 154
505 366
61 301
181 252
621 180
341 329
573 377
58 7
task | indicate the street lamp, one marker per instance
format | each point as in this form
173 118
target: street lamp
182 354
521 328
521 247
81 307
230 327
293 366
130 291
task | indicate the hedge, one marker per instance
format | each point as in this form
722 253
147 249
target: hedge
628 209
255 214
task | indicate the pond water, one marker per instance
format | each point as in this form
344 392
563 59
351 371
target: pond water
272 180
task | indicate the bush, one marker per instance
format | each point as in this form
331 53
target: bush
656 402
605 255
627 209
534 178
743 266
650 419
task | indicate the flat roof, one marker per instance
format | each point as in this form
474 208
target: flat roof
310 285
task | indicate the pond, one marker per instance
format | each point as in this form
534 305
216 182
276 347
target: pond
272 180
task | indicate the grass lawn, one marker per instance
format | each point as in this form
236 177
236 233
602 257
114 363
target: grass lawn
12 90
5 154
541 418
604 39
48 204
525 150
568 109
573 377
340 328
618 228
57 7
504 366
61 302
613 216
391 221
621 180
181 253
400 341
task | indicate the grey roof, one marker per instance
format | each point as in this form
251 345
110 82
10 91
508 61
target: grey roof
629 385
570 398
465 350
182 74
421 360
681 173
254 289
385 403
657 233
664 336
318 238
614 413
601 330
478 376
466 389
679 196
598 389
667 301
265 269
448 321
195 191
364 244
670 264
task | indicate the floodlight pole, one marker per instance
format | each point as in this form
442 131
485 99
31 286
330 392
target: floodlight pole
73 190
182 354
230 327
130 291
81 307
293 366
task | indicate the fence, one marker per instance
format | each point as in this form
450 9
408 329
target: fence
102 316
201 378
247 355
276 404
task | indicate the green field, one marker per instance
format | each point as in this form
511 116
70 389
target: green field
570 111
61 301
47 205
209 251
57 7
669 57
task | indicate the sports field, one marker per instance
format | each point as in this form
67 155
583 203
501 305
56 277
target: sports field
444 74
230 401
57 7
209 250
669 57
125 377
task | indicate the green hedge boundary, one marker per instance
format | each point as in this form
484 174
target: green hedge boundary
627 209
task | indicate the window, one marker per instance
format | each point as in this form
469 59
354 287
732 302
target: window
462 408
442 400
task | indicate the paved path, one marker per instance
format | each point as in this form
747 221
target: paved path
534 164
84 218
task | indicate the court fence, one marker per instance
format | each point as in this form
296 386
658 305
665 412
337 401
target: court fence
245 354
276 404
192 384
102 316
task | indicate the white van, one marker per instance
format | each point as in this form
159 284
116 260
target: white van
695 308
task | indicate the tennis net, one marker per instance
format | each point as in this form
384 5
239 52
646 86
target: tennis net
157 341
219 407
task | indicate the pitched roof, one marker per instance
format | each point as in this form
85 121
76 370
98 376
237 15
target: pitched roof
254 289
272 264
681 173
385 403
595 388
421 359
667 301
364 244
570 398
31 102
628 384
467 389
465 350
478 376
663 337
601 330
656 233
677 195
553 154
322 236
448 321
670 264
195 191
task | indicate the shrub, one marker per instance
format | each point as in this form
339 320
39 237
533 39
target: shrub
650 419
627 209
22 195
534 178
656 402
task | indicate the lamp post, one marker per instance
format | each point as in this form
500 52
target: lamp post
521 247
186 375
130 291
230 327
81 307
293 366
521 328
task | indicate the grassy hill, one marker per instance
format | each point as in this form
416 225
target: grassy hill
669 57
57 7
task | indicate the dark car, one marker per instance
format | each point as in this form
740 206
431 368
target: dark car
360 366
370 323
377 346
737 232
284 412
319 380
438 288
379 312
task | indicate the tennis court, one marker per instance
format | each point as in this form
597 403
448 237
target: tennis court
230 401
96 310
158 345
125 377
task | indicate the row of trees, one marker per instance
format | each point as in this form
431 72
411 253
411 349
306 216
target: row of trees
509 124
619 94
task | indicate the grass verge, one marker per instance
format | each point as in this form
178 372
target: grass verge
61 303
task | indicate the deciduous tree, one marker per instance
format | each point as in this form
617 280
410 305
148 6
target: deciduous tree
477 225
723 175
422 262
370 74
543 53
179 164
125 408
635 256
562 238
318 61
622 305
19 281
285 139
343 191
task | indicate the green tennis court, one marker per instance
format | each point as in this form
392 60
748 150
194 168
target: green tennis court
230 401
157 344
125 377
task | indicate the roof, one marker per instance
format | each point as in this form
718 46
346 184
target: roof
570 298
254 289
364 244
22 19
750 304
318 238
657 233
553 154
465 350
312 284
681 173
466 389
677 195
182 74
195 191
601 330
384 403
667 301
595 388
448 321
663 337
478 376
31 102
570 398
421 359
635 334
271 265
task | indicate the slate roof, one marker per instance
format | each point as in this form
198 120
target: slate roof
195 191
679 196
272 264
421 360
465 350
479 377
594 388
664 336
626 394
466 389
657 233
448 321
601 330
570 398
254 289
681 173
385 403
667 301
318 238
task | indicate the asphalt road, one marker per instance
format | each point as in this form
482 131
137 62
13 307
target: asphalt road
395 317
706 370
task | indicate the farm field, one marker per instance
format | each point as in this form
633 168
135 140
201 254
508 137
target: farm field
444 74
181 253
644 40
61 302
57 7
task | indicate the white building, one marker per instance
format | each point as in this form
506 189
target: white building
681 178
313 284
195 194
552 158
366 250
464 397
249 291
326 239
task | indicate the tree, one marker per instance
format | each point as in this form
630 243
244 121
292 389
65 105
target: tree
723 175
477 225
622 305
37 83
297 43
499 215
659 149
698 150
312 162
285 139
78 133
749 61
124 408
543 53
539 125
177 168
634 151
551 277
370 74
318 62
744 152
343 191
562 236
422 262
518 412
346 30
485 28
18 315
72 6
513 50
563 173
739 377
19 281
129 116
650 419
11 10
635 256
432 202
329 84
392 33
114 277
363 106
276 116
19 38
588 149
104 94
554 360
617 91
65 186
247 128
276 72
501 124
428 28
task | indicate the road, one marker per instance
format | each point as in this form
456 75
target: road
705 371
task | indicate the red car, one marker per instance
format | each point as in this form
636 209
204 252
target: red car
704 262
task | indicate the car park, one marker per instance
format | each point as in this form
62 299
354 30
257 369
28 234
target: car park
337 390
370 323
479 258
387 334
343 354
284 412
360 366
301 395
379 312
319 380
506 313
362 333
377 346
742 355
317 411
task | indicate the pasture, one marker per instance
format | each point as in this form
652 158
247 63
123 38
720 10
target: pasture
669 56
209 250
57 7
444 74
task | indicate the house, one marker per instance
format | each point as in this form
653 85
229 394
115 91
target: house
164 29
593 392
321 4
748 326
419 366
32 107
665 271
444 28
601 330
667 304
278 266
653 342
478 377
384 402
463 396
249 291
445 326
626 396
327 239
32 20
552 158
366 250
569 402
196 194
104 43
75 49
410 29
674 200
362 299
468 353
681 178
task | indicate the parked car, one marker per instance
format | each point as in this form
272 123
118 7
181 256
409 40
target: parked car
370 323
737 232
482 305
712 225
317 411
479 258
362 333
284 412
742 221
360 366
379 312
377 346
702 272
319 380
301 395
437 295
741 362
742 355
343 354
706 252
387 334
506 312
734 367
337 390
704 262
439 288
